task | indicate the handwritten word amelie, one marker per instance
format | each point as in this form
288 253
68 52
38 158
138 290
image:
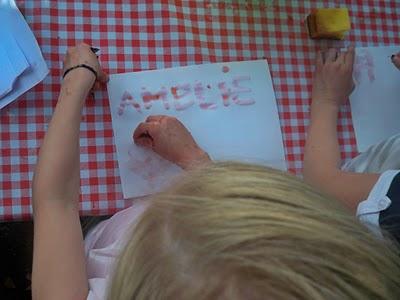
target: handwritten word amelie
186 95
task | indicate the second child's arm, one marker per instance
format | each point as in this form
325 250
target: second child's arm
332 85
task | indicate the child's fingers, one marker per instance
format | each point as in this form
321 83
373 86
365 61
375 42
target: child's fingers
102 77
144 130
350 56
396 60
341 58
331 55
144 142
319 61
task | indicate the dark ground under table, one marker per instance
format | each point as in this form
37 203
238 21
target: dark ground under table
16 249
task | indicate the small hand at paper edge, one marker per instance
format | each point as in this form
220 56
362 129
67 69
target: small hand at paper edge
396 60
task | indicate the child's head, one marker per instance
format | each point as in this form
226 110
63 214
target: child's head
235 231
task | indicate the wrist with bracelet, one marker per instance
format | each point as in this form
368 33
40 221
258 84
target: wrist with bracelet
80 66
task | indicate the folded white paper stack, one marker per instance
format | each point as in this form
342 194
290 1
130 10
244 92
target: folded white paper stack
21 62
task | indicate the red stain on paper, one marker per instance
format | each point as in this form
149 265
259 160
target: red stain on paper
150 169
127 100
179 92
241 89
233 92
364 64
148 97
199 93
225 93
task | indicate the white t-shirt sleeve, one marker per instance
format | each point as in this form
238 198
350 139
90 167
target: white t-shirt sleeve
97 289
104 243
368 210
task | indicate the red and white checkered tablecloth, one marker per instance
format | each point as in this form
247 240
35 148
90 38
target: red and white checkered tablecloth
140 35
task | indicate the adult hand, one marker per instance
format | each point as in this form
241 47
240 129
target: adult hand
396 60
82 54
333 78
169 138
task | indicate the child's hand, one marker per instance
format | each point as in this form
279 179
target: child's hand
82 54
171 140
396 60
333 80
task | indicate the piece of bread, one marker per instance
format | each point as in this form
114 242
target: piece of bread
329 23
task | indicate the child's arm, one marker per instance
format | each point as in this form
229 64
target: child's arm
332 85
58 260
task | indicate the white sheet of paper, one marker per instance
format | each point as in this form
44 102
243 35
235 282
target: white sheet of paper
375 102
7 73
245 127
12 62
14 24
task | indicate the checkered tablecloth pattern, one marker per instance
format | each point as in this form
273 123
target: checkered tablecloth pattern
140 35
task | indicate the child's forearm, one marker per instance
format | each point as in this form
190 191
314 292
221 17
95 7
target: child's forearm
322 160
57 170
322 153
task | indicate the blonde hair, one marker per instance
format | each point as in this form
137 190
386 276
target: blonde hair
238 231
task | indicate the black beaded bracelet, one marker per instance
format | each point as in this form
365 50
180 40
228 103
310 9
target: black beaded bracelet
80 66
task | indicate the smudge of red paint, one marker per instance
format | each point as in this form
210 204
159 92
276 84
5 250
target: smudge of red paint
149 167
174 91
240 89
225 93
127 95
364 63
243 102
148 97
185 89
199 93
225 69
371 75
208 105
126 100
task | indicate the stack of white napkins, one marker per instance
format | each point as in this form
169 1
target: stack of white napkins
21 62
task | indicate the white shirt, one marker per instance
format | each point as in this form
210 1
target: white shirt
368 210
382 158
104 243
